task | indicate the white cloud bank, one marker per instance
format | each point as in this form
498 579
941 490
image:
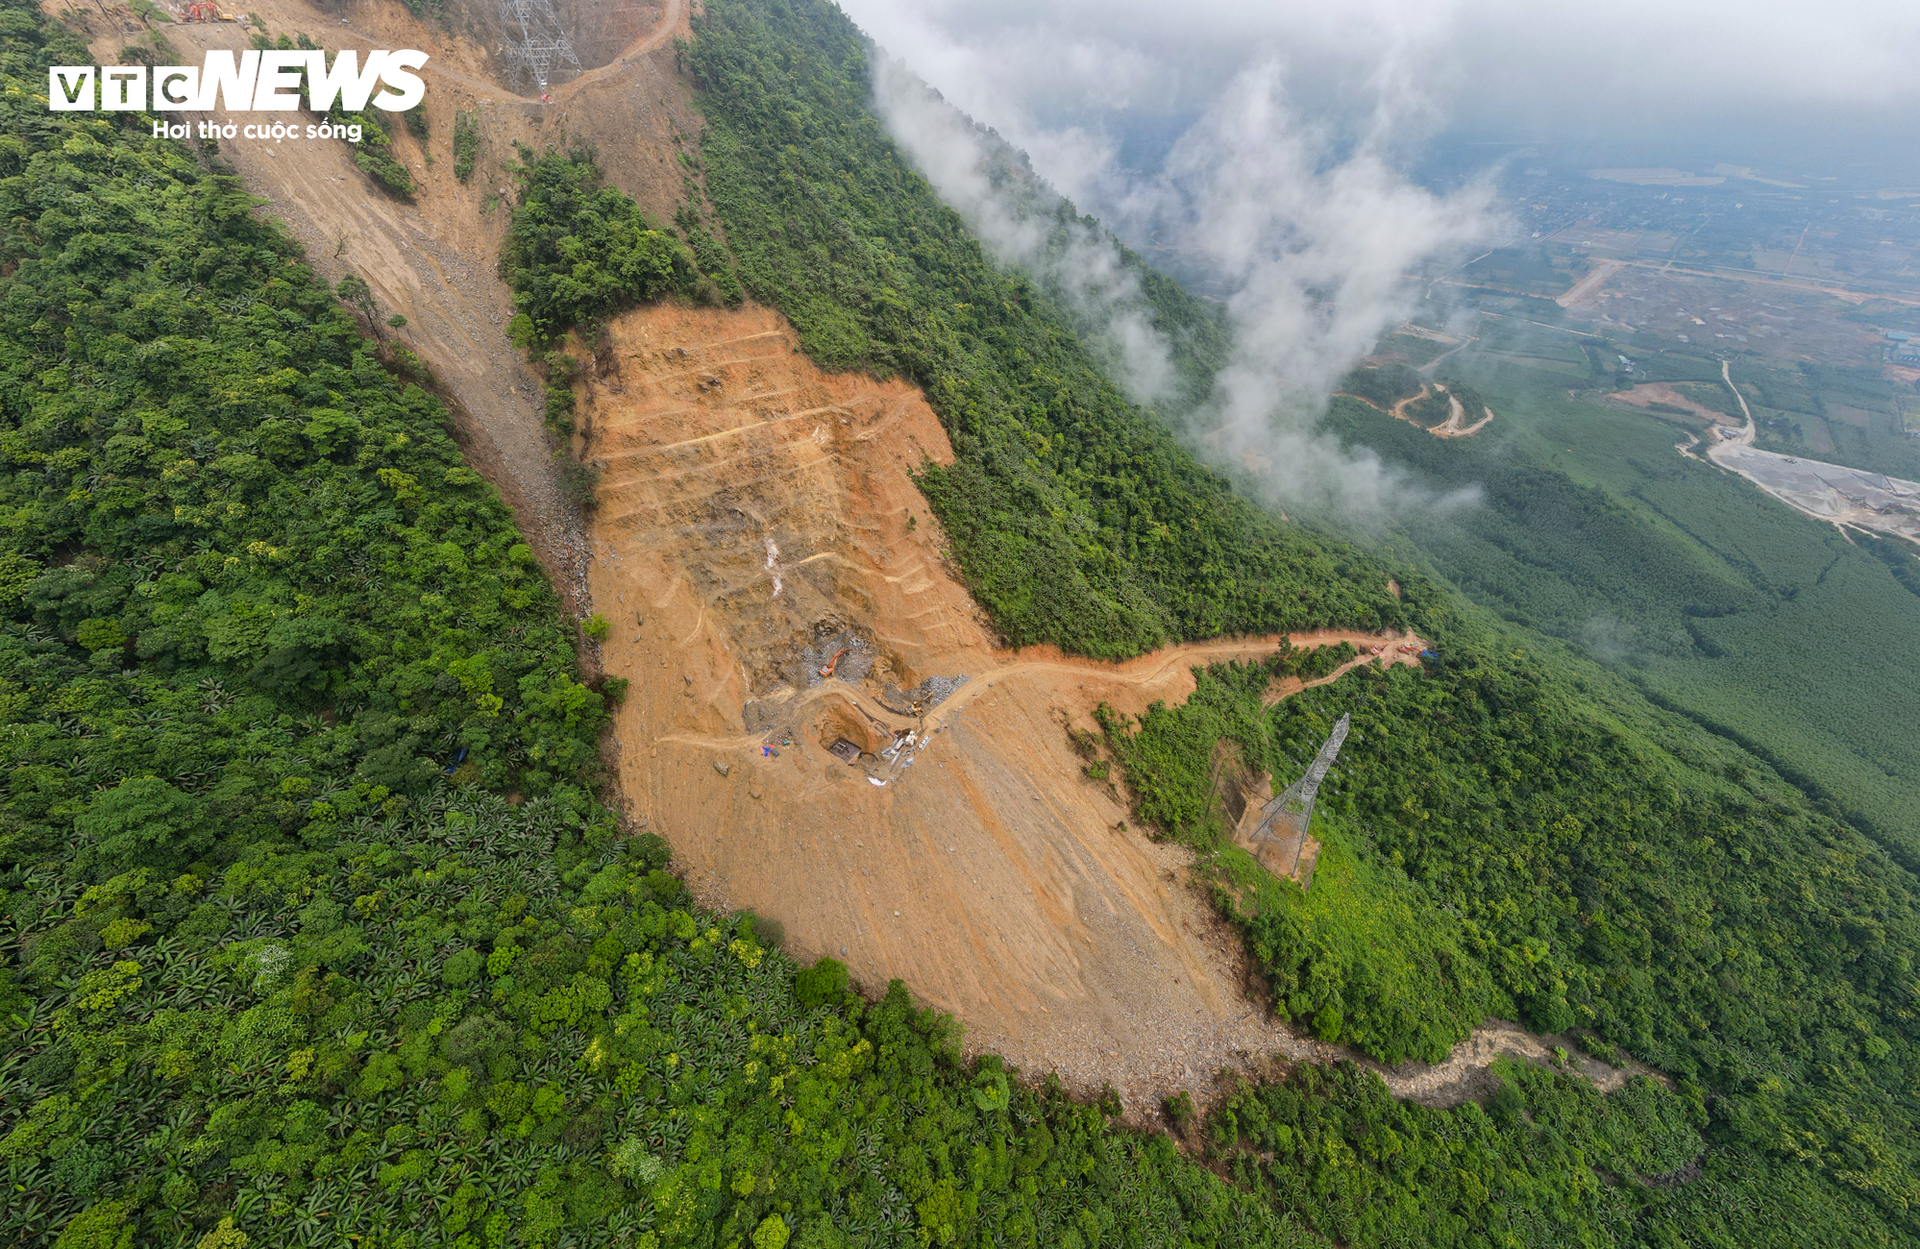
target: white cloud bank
1283 189
1309 232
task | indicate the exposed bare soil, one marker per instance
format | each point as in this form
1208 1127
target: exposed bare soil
758 519
1454 426
1589 284
1663 393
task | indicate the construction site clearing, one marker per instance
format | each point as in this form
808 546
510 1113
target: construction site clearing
1453 426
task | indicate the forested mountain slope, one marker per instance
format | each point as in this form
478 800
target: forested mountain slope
1521 831
317 933
1077 519
1518 832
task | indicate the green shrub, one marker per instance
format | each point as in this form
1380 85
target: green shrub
144 822
1383 387
649 851
579 483
768 931
820 984
107 1225
466 142
717 266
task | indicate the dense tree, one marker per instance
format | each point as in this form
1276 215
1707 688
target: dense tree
143 822
1531 840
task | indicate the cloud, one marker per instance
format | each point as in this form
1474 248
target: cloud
1307 230
1314 249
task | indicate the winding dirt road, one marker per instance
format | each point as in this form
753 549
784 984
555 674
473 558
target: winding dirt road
756 514
1159 674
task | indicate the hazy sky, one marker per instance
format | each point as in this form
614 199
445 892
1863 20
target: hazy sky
1647 66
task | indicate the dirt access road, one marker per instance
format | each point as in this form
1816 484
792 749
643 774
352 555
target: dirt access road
1589 284
1742 275
1453 427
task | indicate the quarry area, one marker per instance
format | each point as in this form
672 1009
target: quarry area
1834 493
818 717
1831 492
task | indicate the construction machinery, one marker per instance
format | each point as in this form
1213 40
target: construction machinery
208 11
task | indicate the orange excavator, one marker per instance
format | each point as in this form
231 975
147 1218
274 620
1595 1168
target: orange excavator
833 663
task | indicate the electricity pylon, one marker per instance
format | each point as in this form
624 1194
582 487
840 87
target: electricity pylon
537 44
1290 814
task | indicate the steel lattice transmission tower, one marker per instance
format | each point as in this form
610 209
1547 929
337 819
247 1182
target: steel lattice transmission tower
537 44
1288 817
